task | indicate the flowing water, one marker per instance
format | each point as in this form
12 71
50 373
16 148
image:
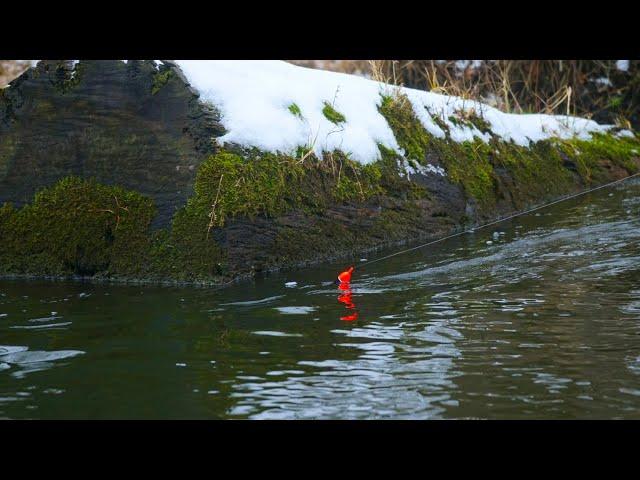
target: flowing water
535 318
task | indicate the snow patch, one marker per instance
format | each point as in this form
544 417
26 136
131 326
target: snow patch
254 99
625 133
258 99
605 81
408 168
74 64
622 65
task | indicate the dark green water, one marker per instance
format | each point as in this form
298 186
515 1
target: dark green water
543 322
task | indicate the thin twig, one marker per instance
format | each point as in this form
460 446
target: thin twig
212 215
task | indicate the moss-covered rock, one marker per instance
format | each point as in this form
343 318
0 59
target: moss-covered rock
229 211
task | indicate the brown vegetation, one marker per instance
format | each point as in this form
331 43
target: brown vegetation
590 88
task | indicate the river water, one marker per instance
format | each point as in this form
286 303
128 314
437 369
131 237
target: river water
535 318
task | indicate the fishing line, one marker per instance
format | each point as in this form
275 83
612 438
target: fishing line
494 222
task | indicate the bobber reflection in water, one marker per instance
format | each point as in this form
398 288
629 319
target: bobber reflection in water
346 297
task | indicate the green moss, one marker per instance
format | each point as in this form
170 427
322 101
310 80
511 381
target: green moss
538 172
589 155
353 181
457 121
406 127
535 173
616 102
438 120
100 230
160 79
295 110
469 164
77 227
332 114
479 122
469 119
187 252
80 227
229 185
302 152
7 211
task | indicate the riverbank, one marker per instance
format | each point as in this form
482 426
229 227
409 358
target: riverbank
213 175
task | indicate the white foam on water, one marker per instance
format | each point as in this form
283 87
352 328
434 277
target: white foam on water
249 303
40 327
269 333
296 310
38 356
5 349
